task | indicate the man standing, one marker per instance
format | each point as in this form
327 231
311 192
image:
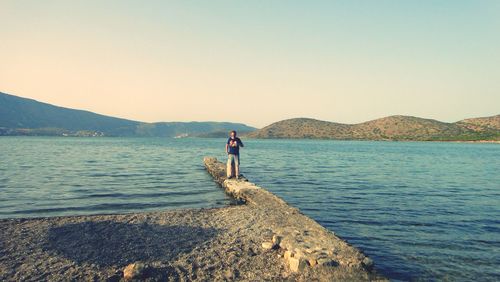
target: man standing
233 154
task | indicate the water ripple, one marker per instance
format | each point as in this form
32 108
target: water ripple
422 211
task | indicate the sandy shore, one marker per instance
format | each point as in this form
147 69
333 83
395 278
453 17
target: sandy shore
221 244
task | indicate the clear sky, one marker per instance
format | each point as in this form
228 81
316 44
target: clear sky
255 62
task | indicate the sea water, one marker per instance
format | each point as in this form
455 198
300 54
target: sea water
421 211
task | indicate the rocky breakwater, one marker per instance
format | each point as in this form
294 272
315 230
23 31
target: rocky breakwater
304 243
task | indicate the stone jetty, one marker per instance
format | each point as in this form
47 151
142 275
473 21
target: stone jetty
304 242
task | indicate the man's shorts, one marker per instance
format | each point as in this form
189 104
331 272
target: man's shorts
233 158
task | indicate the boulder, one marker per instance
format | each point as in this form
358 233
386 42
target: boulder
135 270
297 264
368 262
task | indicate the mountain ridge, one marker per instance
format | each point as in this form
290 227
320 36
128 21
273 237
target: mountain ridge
396 127
25 116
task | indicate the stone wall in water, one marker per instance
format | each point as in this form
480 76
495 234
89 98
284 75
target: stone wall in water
305 242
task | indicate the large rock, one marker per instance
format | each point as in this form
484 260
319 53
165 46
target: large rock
297 264
135 271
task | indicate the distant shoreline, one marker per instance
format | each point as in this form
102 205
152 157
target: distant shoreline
478 141
254 138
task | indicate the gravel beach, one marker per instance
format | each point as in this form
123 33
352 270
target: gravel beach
221 244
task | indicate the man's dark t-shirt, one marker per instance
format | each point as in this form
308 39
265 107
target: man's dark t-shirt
235 148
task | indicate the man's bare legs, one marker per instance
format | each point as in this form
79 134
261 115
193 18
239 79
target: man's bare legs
233 161
237 166
237 171
229 167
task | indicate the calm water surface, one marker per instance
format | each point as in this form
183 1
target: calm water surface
422 211
67 176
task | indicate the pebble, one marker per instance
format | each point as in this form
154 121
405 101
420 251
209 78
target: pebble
326 262
267 245
229 274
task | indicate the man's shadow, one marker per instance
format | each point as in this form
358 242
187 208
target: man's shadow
107 243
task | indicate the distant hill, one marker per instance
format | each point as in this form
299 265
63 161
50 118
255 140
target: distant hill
22 116
482 123
387 128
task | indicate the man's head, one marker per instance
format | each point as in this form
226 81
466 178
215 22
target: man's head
232 133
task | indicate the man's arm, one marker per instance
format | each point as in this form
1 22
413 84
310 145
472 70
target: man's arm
227 147
241 143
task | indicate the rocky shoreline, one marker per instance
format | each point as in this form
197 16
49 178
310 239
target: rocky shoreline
247 242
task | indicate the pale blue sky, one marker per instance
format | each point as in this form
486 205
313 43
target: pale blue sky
255 62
